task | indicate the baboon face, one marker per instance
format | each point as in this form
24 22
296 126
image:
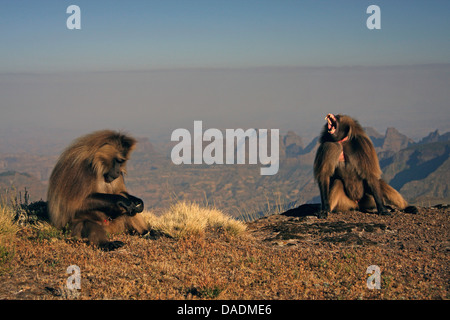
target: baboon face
336 128
115 171
110 162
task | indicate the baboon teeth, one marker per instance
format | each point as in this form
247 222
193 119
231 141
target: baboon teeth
331 119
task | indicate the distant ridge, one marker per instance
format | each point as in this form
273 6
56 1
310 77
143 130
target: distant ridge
419 170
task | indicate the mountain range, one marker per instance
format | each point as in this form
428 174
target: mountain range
419 170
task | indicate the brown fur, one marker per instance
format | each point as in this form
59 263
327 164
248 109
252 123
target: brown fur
347 170
79 195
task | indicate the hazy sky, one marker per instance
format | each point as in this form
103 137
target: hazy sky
150 67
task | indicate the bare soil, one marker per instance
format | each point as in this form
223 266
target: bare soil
289 256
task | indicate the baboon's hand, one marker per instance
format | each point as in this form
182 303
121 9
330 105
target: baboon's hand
322 214
138 205
131 206
384 212
127 206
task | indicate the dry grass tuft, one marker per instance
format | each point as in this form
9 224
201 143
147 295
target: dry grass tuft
185 219
8 230
7 225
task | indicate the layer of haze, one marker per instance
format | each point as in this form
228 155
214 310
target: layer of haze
149 67
415 100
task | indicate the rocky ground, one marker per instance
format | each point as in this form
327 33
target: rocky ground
412 250
288 256
426 231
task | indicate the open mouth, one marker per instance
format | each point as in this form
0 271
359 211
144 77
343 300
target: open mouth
332 123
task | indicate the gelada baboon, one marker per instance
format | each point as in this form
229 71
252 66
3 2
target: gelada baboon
347 170
87 193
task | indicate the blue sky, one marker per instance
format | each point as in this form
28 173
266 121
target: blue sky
152 66
136 35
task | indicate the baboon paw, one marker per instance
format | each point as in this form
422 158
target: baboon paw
139 207
127 207
111 245
131 208
411 209
322 214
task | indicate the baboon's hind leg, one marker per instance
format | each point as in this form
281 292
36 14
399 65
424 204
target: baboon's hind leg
339 201
95 233
391 196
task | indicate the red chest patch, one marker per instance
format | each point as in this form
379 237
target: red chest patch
342 155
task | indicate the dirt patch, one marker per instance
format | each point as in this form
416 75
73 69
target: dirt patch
314 230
